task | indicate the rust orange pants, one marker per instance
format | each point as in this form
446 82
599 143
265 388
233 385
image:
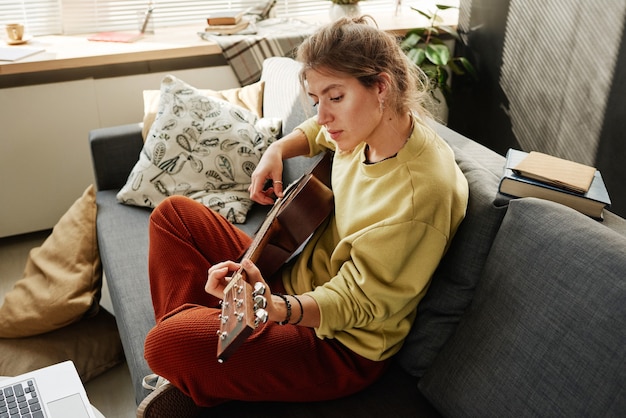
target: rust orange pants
276 363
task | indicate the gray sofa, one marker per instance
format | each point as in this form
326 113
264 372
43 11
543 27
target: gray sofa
526 314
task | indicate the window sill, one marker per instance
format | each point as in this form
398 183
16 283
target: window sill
69 52
75 57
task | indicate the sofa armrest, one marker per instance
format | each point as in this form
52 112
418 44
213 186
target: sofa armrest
114 152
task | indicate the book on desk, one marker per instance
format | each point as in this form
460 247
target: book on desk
227 29
228 17
513 184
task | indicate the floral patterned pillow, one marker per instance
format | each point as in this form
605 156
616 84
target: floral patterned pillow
201 147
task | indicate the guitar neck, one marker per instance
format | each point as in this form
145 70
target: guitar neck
293 218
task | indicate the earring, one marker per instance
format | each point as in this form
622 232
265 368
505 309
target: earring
382 105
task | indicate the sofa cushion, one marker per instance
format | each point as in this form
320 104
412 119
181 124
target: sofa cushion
62 278
283 96
453 284
201 147
545 333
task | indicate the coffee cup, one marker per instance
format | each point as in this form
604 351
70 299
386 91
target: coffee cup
15 31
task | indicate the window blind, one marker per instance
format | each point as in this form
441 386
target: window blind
40 17
68 17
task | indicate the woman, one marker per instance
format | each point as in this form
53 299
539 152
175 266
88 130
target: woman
339 312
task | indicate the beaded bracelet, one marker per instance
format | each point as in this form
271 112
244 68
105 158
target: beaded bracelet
288 305
301 310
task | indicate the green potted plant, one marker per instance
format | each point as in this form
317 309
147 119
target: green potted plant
427 48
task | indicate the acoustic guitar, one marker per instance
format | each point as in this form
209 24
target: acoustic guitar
291 221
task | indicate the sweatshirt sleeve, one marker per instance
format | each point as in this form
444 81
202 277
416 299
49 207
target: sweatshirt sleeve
380 282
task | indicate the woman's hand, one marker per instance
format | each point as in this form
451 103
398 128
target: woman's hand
220 276
269 169
306 312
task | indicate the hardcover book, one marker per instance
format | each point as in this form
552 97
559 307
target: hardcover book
227 29
591 203
556 171
229 17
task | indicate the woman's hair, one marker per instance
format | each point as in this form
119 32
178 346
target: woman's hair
355 47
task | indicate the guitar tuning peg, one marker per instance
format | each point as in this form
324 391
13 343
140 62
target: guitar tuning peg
259 302
222 335
259 289
261 316
224 318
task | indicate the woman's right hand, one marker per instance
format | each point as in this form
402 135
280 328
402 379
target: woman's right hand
269 169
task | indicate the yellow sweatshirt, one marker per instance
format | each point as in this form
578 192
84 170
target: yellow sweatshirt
371 263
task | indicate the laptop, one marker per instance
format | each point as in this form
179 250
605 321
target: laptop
51 392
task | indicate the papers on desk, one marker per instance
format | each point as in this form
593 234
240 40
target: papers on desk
126 37
14 53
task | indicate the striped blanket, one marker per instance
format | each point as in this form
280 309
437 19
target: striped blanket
267 38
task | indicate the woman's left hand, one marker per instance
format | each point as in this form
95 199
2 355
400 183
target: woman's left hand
220 275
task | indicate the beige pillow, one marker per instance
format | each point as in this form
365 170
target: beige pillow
249 97
62 279
93 344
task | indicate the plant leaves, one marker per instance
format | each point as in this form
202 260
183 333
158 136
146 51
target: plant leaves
438 54
430 70
442 77
469 68
450 30
423 13
416 55
410 41
455 68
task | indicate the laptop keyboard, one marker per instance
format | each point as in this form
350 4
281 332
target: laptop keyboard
20 400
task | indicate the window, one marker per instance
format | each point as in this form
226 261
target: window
54 17
40 17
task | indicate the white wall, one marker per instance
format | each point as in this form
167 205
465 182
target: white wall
45 163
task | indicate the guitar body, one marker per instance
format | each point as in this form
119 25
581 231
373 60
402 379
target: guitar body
290 222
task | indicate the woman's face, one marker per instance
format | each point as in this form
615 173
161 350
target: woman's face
350 111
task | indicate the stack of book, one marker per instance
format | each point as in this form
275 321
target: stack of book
544 176
227 23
